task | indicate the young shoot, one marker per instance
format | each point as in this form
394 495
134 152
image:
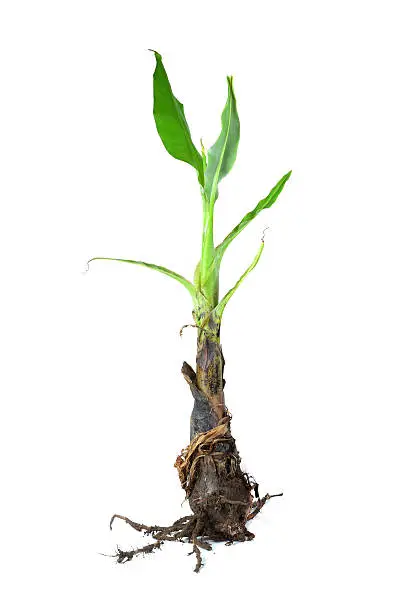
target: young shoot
211 167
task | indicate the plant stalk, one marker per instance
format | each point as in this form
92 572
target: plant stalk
210 366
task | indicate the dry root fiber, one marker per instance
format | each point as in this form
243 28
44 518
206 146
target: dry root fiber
203 446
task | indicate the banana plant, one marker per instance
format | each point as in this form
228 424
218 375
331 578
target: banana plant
209 414
211 167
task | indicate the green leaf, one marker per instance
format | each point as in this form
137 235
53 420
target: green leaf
171 122
218 311
212 269
265 203
189 286
222 154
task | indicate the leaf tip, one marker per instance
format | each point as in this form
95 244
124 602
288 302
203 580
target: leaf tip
230 82
264 231
88 264
157 54
285 178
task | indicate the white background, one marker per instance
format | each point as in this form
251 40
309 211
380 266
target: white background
94 409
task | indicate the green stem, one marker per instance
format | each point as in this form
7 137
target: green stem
208 275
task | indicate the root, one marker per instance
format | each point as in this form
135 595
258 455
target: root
194 529
196 550
258 505
182 528
197 553
186 528
125 556
138 526
220 512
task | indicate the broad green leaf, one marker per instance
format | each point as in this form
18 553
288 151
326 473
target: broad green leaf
265 203
171 122
178 277
218 311
222 154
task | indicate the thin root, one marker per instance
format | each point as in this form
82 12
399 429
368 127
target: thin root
192 528
258 505
124 556
138 526
181 528
197 553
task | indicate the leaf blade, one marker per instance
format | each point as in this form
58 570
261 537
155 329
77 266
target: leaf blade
266 202
219 309
186 283
222 155
171 122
